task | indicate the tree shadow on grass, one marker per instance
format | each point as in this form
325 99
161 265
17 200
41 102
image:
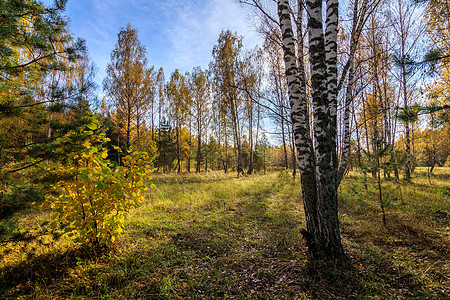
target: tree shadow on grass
406 258
42 270
251 252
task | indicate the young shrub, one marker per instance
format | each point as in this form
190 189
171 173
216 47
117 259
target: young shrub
95 202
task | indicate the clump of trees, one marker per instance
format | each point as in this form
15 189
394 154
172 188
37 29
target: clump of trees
354 91
48 132
45 88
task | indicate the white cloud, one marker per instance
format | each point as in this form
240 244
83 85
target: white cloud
198 28
177 34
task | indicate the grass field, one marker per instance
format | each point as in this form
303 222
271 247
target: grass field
217 236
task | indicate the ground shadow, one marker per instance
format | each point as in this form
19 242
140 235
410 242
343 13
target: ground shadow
246 250
42 270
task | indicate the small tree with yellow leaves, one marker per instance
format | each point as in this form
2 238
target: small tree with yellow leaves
93 205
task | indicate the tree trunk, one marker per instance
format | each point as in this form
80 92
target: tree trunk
199 147
118 143
250 134
178 150
237 137
358 139
405 98
138 131
346 138
206 160
283 137
190 149
318 174
358 22
408 153
153 118
225 161
128 127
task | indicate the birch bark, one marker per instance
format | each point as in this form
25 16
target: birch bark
318 168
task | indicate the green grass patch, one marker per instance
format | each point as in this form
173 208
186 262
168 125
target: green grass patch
216 236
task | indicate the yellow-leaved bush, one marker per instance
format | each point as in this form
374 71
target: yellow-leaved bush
94 203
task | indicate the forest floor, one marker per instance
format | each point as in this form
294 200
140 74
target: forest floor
217 236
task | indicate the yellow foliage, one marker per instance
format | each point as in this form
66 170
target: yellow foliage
94 204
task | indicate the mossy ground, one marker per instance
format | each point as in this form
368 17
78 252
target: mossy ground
217 236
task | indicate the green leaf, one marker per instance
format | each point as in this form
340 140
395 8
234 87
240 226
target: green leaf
92 126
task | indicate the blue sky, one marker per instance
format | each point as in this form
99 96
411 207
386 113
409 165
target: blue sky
177 33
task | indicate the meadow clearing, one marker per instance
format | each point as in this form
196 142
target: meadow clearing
213 235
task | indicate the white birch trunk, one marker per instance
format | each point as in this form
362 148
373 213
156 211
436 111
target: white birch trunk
318 173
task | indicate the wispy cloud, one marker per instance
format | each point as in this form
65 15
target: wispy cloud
198 29
177 34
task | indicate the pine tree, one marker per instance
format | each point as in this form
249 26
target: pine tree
35 45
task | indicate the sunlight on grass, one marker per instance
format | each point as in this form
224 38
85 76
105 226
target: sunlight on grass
217 236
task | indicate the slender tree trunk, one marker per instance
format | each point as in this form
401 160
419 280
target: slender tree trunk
283 137
388 130
366 129
405 94
346 138
358 139
190 149
358 17
257 128
178 150
225 161
153 118
433 142
264 159
138 131
380 192
118 143
207 151
250 134
128 127
392 133
413 148
199 146
408 151
236 133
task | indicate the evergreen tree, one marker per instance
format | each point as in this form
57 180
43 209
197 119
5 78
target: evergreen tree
36 47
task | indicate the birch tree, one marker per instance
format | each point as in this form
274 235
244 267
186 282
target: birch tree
362 10
177 108
318 167
250 82
407 36
128 81
200 106
277 91
226 67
